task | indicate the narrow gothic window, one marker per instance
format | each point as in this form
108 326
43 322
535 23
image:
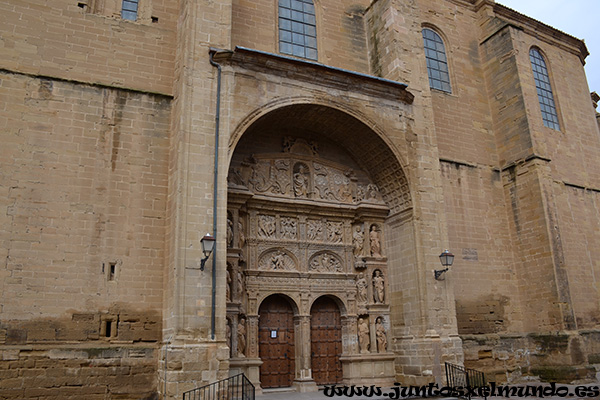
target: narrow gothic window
544 90
298 28
437 64
129 9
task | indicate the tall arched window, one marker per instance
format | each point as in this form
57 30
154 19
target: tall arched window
298 28
437 64
544 90
129 9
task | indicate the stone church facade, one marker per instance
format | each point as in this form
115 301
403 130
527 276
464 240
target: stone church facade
334 149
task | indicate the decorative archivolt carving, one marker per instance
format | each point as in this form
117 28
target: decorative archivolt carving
277 260
325 262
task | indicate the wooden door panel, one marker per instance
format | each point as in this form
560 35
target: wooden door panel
326 342
276 353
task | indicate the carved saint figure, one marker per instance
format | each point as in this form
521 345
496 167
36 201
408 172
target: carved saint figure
229 232
361 289
240 286
378 287
358 241
241 336
228 334
301 182
241 236
363 336
228 287
381 336
375 242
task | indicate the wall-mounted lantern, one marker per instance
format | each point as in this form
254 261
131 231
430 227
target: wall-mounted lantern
446 258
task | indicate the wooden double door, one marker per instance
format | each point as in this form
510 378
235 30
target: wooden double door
277 342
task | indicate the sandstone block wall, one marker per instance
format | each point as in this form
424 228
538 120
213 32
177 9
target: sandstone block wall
58 38
83 178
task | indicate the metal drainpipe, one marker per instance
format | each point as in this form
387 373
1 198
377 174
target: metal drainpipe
216 178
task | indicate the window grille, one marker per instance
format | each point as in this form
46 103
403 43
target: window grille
298 28
544 90
437 64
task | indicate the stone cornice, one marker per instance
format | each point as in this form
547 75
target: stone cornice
542 31
315 73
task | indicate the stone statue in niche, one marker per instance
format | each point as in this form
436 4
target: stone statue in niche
378 287
241 337
229 232
364 341
381 336
334 232
228 335
266 226
241 235
314 229
228 287
361 289
301 180
240 286
325 263
288 228
375 242
358 241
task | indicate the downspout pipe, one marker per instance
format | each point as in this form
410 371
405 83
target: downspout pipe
215 183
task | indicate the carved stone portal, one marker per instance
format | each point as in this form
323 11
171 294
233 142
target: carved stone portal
301 235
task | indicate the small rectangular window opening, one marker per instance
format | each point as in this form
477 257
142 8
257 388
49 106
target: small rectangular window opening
108 328
112 271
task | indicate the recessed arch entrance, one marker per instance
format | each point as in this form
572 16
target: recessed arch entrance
314 199
276 342
326 341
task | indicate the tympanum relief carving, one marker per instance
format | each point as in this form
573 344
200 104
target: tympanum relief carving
277 260
325 262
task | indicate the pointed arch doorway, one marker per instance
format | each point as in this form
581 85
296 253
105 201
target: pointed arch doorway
276 342
326 341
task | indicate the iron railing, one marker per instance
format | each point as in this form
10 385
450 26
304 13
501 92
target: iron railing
457 375
236 387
